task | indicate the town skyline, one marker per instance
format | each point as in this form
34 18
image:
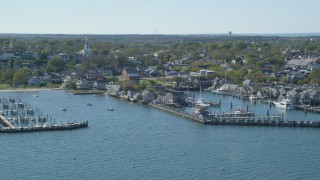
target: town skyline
160 17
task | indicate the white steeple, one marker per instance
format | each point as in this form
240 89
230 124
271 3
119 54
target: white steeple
87 49
10 45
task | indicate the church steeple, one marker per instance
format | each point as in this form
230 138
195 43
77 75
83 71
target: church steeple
86 44
87 49
10 45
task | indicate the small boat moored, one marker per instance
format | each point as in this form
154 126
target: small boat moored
284 104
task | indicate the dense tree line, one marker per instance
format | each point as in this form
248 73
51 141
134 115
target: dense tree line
112 52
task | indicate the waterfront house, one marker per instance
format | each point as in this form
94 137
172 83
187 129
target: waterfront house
315 97
83 84
202 82
100 84
34 81
284 90
130 74
174 97
248 83
147 96
113 89
93 75
294 95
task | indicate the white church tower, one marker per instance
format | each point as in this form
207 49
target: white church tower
10 45
87 49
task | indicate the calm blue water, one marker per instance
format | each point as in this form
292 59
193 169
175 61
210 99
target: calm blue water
136 142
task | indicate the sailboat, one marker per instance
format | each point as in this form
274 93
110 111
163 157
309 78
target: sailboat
201 103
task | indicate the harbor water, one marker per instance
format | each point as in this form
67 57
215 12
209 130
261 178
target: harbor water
138 142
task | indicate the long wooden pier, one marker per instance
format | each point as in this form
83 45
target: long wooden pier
273 121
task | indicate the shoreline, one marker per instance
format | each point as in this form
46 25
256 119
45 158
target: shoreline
28 89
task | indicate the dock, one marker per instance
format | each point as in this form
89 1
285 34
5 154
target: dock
52 127
17 117
307 108
5 122
220 119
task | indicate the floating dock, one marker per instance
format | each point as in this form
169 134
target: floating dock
219 119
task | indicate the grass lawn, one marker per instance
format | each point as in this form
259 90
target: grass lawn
5 86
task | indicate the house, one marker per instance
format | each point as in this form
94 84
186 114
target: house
172 74
147 96
130 74
308 64
34 81
202 82
93 75
206 72
174 97
267 72
25 65
100 84
64 56
83 84
105 71
248 82
55 78
284 90
315 97
26 55
134 60
113 89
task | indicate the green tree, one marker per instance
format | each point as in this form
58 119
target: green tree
55 65
6 76
126 85
22 75
70 85
315 76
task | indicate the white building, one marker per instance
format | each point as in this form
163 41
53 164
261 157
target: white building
86 51
64 56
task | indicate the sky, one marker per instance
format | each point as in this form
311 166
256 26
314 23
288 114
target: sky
159 16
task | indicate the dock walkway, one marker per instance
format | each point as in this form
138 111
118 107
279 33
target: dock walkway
5 122
274 121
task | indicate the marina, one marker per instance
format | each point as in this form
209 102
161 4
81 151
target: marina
156 143
15 118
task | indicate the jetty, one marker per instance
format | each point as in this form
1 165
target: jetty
231 120
17 117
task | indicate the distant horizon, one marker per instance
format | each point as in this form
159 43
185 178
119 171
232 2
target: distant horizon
177 17
302 34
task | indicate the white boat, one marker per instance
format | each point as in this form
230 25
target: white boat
200 102
243 113
252 97
221 90
110 109
284 104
